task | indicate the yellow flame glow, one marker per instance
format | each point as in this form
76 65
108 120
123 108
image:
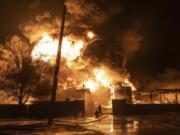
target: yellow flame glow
90 34
129 84
92 85
102 77
71 50
46 49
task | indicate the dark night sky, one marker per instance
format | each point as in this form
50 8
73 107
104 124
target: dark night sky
160 30
159 26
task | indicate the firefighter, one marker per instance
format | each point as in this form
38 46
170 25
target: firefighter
98 111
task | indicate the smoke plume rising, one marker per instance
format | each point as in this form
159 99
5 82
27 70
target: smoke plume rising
83 16
170 79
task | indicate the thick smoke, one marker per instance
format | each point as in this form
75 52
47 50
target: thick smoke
82 16
43 23
170 79
88 12
131 42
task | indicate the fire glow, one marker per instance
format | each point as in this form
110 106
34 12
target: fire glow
90 35
46 50
100 78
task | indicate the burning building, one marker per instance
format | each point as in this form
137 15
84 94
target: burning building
94 63
78 70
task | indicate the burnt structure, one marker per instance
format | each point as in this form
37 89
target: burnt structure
122 105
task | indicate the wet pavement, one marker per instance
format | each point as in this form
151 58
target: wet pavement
165 124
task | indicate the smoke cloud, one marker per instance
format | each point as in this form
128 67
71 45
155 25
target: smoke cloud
170 79
131 42
82 16
89 11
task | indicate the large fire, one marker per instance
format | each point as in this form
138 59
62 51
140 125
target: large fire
100 78
91 84
46 50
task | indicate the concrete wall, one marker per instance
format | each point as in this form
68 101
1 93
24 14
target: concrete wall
41 109
120 107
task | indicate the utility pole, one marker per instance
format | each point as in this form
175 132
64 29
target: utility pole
56 70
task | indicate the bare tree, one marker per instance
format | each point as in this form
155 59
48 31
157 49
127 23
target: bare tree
21 82
21 75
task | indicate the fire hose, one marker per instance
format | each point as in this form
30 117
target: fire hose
81 123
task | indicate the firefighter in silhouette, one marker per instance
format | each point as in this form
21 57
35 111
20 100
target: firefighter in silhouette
98 111
151 97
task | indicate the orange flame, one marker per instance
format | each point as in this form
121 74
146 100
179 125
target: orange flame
128 83
46 49
92 85
90 34
100 78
